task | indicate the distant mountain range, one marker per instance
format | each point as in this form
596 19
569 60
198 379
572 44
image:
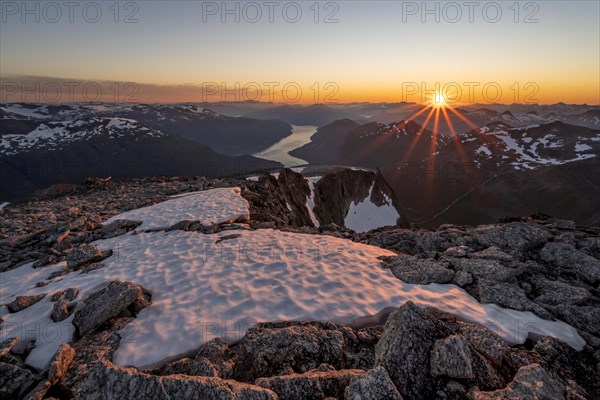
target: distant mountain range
521 159
70 150
479 176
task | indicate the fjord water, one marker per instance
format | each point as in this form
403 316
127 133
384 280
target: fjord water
280 151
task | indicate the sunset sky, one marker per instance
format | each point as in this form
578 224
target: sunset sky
374 50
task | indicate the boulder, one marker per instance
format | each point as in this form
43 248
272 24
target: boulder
571 260
194 367
530 382
451 357
508 295
374 384
486 342
514 237
311 385
272 349
404 349
60 363
15 381
410 269
586 318
556 292
84 255
104 305
23 302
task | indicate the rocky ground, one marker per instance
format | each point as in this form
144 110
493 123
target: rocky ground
539 264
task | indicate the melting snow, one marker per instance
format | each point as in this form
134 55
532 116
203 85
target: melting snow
365 216
202 289
209 207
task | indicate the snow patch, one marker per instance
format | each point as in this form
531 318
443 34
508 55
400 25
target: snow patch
209 207
365 216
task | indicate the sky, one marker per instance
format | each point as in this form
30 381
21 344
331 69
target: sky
306 51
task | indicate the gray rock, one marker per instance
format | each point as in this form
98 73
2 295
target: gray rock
404 349
15 381
492 253
311 385
557 292
486 342
7 344
568 258
410 269
270 349
586 318
84 255
508 295
457 251
485 376
530 382
107 382
194 367
486 269
104 305
23 302
60 310
451 357
462 278
60 363
38 392
374 384
514 237
118 228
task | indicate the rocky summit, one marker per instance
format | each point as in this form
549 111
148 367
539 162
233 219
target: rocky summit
106 286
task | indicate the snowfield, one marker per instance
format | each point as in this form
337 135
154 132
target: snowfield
209 207
209 285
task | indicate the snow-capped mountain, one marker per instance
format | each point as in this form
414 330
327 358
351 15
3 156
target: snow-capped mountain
224 134
532 146
52 136
72 150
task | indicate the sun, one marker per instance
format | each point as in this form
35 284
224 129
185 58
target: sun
439 100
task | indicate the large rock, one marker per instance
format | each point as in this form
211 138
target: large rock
23 302
514 237
272 349
586 318
60 363
374 384
530 382
451 357
294 188
106 382
194 367
91 375
556 292
15 381
486 269
410 269
571 260
486 342
105 304
404 349
311 385
508 295
7 344
84 255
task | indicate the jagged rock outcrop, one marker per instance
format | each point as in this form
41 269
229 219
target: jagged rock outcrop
337 190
